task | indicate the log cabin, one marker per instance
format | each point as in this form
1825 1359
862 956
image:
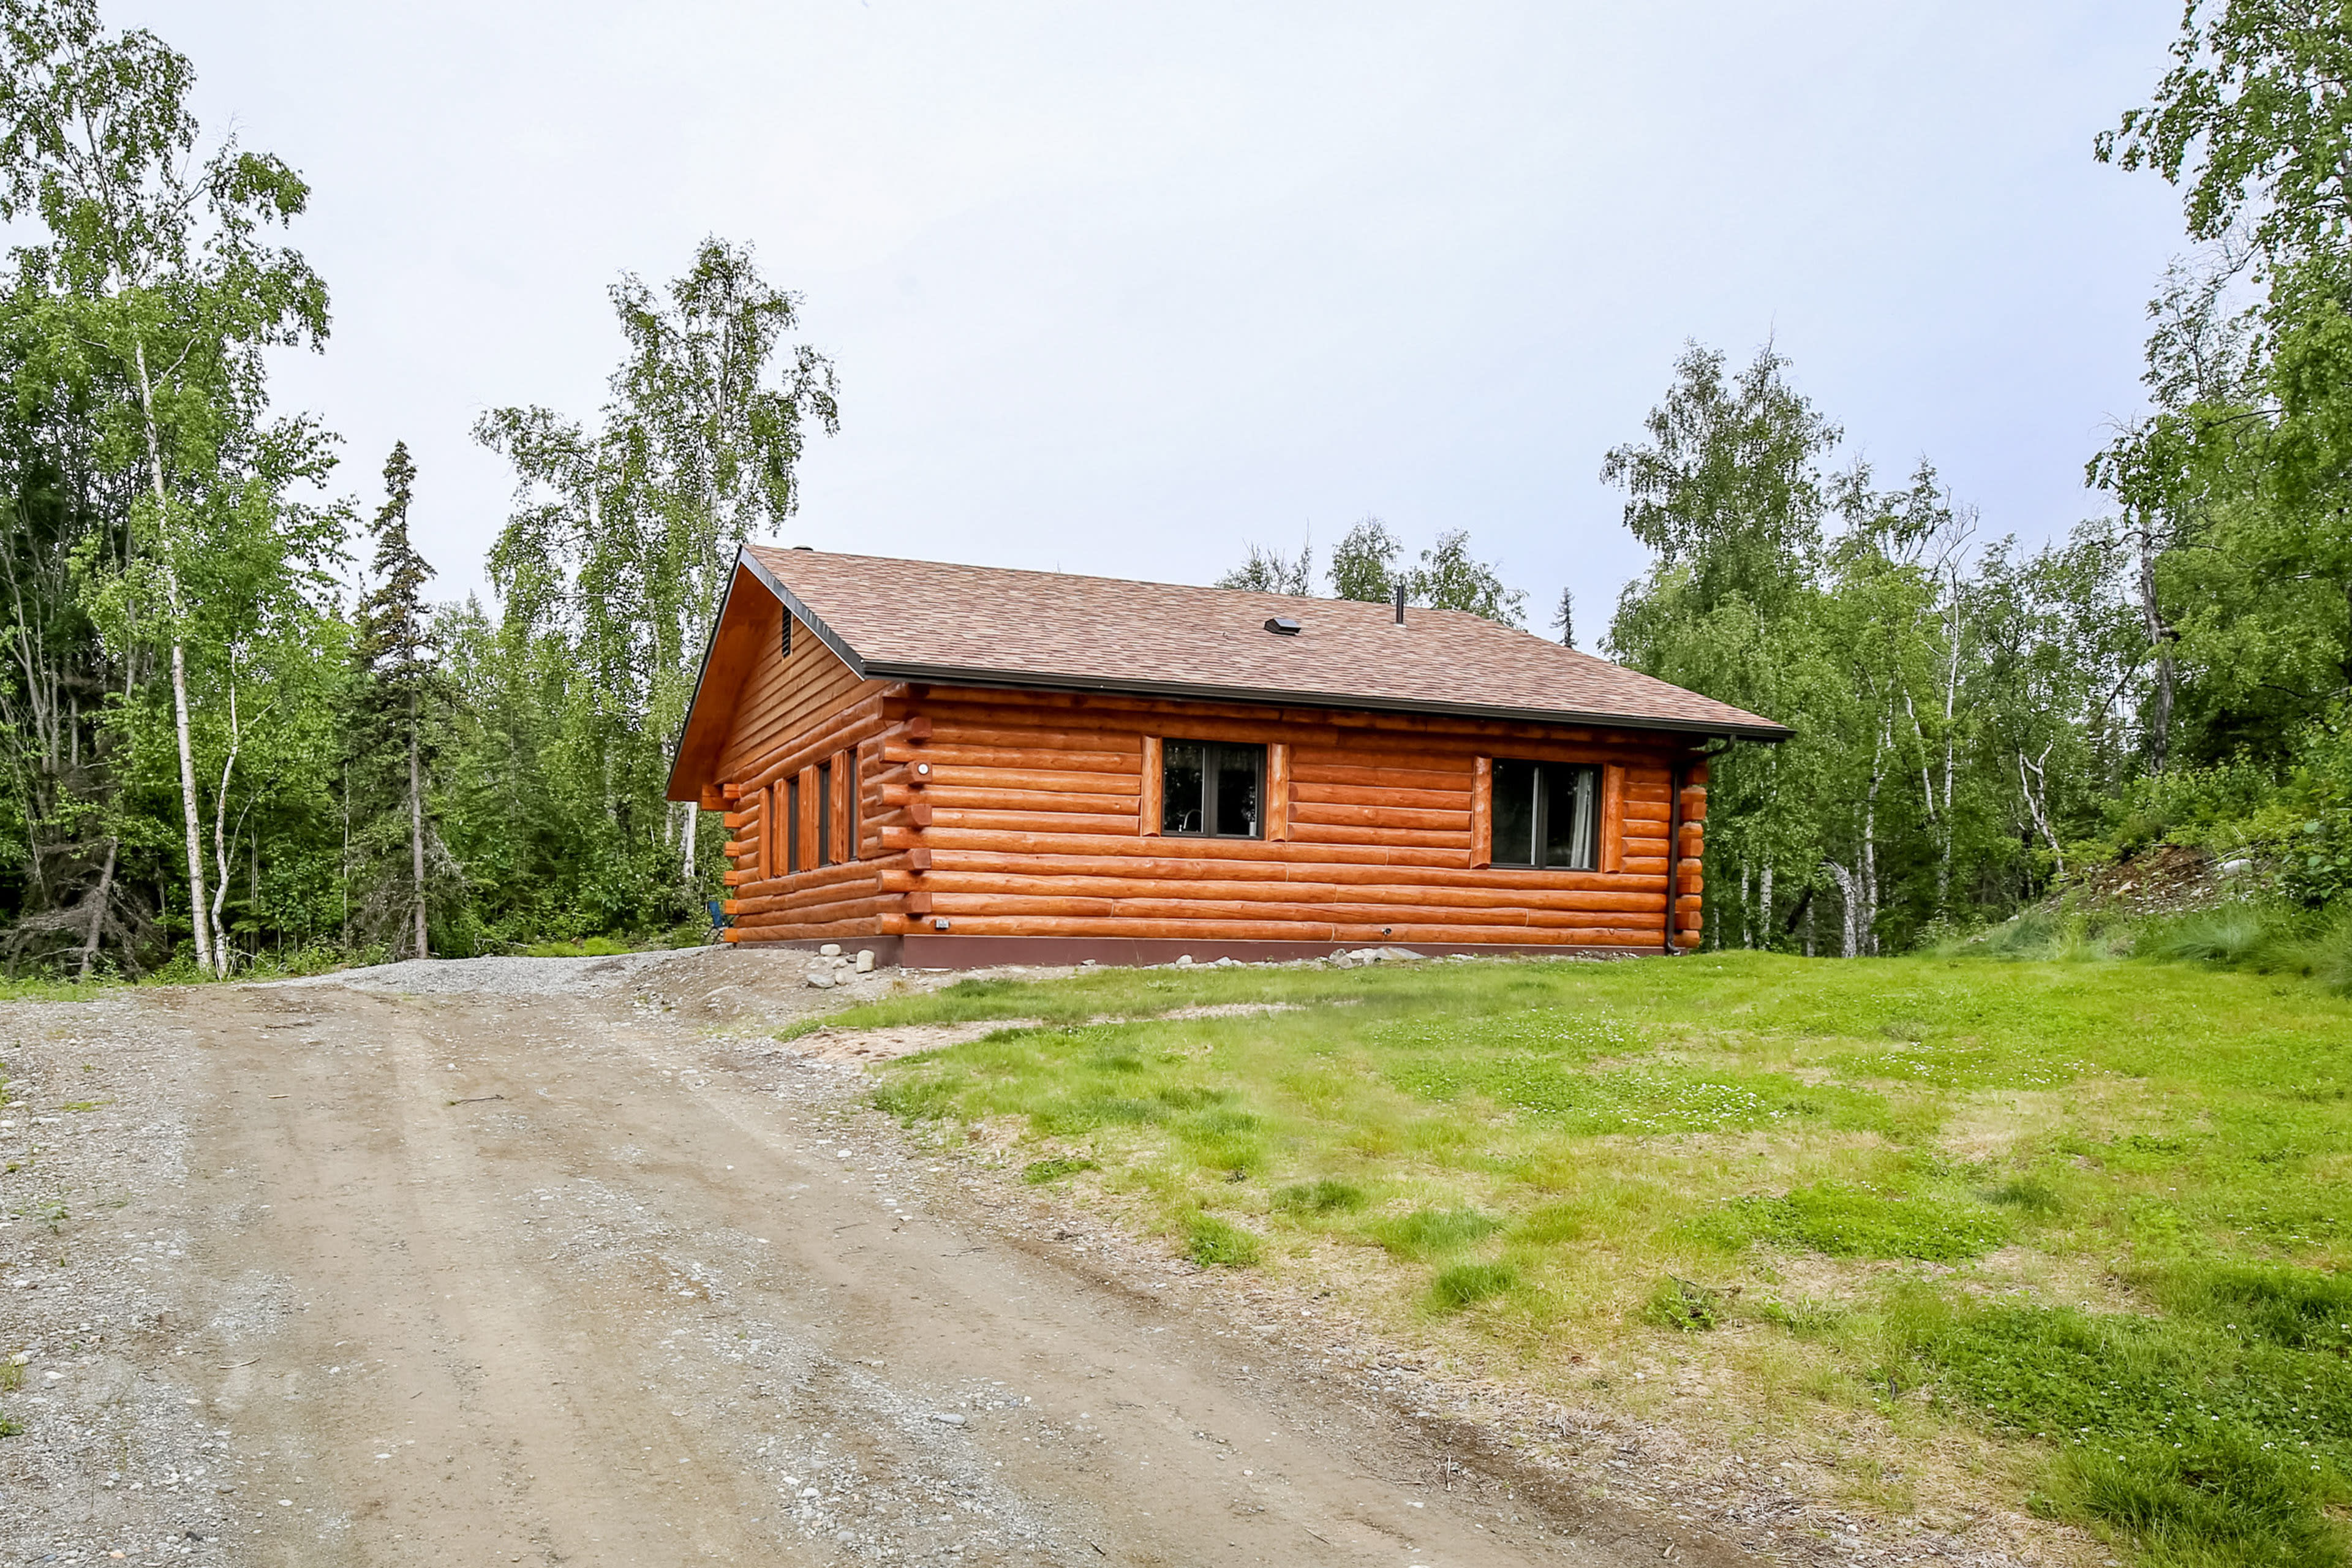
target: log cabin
965 765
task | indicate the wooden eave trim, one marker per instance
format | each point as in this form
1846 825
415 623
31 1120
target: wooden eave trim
675 789
1016 681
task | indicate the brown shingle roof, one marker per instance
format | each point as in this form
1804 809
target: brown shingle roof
929 620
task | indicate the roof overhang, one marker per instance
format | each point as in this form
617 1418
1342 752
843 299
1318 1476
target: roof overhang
1032 681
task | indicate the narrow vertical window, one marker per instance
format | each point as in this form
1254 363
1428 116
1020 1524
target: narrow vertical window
825 814
850 805
1211 789
791 825
1546 814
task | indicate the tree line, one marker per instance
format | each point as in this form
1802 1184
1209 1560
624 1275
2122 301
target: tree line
237 730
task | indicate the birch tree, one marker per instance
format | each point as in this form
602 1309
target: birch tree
156 263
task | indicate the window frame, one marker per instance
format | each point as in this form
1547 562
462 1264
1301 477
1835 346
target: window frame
1210 751
792 826
824 813
1540 816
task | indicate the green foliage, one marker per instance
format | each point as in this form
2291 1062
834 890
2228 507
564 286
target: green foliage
1363 567
1847 1220
1684 1305
1320 1198
1432 1233
1468 1284
1215 1243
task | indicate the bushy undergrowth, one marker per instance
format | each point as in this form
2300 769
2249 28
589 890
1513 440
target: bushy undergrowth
2261 938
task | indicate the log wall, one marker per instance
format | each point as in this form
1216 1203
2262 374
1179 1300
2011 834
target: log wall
990 813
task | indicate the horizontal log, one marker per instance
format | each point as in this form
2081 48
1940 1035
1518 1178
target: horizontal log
815 877
1026 738
968 797
1035 821
1052 759
1308 832
1450 778
768 912
1038 779
735 819
1295 866
997 904
1360 719
1096 842
738 878
1310 794
1418 932
1457 820
1386 894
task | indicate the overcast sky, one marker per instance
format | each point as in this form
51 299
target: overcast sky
1121 287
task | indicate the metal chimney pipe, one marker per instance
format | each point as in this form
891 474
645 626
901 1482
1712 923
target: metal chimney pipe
1399 603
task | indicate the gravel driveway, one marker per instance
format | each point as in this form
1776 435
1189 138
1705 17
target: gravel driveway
565 1260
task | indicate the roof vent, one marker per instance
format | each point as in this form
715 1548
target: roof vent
1282 626
1399 602
803 547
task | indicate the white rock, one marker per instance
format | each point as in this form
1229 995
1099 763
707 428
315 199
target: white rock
1228 962
822 979
1184 960
830 950
864 961
951 1420
2234 868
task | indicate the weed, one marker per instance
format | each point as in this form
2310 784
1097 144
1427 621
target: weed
84 1104
1324 1196
1807 1319
1684 1304
54 1215
1427 1233
1211 1242
1468 1284
2029 1193
1037 1173
11 1428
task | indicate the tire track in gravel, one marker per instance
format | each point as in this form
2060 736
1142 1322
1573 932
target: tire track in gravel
600 1302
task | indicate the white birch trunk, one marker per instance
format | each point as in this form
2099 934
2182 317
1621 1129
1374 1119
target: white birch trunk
1846 895
195 831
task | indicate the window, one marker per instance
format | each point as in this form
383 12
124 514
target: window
825 814
1546 814
1212 788
791 825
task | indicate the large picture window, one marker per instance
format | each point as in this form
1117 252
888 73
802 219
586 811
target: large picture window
1546 814
1211 789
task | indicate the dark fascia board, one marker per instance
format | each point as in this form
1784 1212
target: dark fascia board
806 616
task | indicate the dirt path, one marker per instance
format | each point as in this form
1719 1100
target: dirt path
487 1276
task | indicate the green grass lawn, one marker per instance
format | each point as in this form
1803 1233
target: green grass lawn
2080 1223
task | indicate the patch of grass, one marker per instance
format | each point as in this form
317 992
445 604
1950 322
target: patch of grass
84 1104
1215 1243
1468 1284
1684 1305
1845 1220
10 1428
1320 1198
1037 1173
2194 1440
1425 1234
1857 1155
